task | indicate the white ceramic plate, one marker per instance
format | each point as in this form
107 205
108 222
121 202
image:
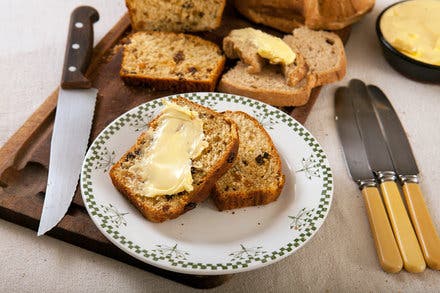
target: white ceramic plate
205 241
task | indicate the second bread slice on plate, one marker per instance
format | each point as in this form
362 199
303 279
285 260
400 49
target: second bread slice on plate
256 177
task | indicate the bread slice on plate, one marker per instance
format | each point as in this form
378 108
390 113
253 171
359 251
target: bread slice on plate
256 177
175 15
323 51
221 136
171 61
239 45
269 85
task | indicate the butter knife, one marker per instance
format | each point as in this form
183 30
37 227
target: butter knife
381 164
356 158
406 167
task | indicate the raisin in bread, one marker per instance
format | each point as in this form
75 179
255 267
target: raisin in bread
256 177
175 15
222 137
171 61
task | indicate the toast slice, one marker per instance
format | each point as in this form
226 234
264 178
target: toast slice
256 177
239 45
222 137
175 15
171 61
268 86
323 51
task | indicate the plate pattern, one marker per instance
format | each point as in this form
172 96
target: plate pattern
110 220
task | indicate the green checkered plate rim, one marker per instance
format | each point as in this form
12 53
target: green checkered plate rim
308 173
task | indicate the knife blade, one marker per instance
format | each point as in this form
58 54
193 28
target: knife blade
406 167
356 159
73 119
381 164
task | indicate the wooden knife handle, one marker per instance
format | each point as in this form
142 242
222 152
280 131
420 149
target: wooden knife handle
386 246
421 219
409 247
79 48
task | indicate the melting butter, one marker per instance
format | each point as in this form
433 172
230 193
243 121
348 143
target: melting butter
269 47
413 28
166 166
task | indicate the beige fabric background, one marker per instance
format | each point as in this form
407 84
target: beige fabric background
340 258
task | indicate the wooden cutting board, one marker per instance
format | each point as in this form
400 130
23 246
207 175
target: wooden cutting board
24 158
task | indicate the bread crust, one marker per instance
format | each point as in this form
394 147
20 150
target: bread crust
176 84
286 15
185 201
252 197
270 96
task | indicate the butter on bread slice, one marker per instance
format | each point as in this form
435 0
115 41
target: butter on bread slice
256 177
217 157
248 44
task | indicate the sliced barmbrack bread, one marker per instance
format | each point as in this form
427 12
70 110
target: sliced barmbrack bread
175 15
256 177
242 44
323 51
139 174
171 61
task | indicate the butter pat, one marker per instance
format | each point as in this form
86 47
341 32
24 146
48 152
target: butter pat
269 47
413 28
165 168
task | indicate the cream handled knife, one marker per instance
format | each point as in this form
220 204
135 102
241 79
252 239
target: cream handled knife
356 158
407 170
381 164
73 119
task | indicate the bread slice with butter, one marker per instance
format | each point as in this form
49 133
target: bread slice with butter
144 172
256 177
324 55
256 48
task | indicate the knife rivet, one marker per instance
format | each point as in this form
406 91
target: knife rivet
79 24
72 68
75 46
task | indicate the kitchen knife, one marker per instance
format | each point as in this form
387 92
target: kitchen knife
407 170
356 158
381 164
73 119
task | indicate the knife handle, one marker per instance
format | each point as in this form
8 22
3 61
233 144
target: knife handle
409 247
421 219
79 48
386 246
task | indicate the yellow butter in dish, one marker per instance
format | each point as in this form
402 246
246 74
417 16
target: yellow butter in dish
177 140
413 28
